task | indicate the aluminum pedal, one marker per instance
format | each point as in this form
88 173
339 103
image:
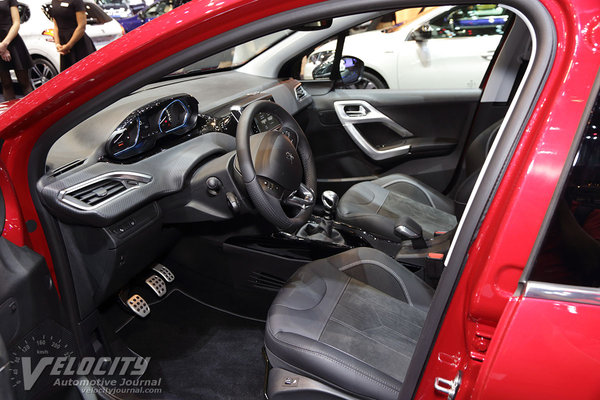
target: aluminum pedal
164 272
157 284
138 305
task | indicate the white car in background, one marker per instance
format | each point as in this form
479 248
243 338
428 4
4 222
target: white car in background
37 31
448 47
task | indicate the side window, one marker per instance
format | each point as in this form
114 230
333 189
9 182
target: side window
570 253
420 48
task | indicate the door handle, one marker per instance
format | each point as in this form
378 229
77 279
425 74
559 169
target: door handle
353 112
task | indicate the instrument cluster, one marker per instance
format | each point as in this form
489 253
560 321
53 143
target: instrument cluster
140 131
170 120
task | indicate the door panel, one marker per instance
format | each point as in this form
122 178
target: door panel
543 349
28 302
358 135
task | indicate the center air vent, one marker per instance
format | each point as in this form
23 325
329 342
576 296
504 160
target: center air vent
92 193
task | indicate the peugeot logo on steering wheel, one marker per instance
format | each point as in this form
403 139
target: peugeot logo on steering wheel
289 156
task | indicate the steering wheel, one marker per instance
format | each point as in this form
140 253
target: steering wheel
277 167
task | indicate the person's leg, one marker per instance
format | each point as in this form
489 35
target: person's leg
25 81
7 86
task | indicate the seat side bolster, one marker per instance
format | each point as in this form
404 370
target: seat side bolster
329 365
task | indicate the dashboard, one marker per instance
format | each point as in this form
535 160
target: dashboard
120 181
149 145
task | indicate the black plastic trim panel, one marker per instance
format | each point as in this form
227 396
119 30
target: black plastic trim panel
168 171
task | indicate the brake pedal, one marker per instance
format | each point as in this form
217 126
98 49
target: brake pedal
138 305
157 285
164 272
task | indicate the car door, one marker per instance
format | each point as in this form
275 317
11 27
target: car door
30 315
547 338
361 134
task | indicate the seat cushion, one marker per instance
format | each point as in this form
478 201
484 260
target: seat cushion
376 205
351 321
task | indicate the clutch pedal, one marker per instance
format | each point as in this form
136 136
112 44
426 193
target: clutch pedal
164 272
138 305
157 285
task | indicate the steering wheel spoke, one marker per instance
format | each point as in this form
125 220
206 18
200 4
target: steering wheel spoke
271 188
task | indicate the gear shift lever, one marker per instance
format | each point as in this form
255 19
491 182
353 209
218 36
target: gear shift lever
330 200
322 229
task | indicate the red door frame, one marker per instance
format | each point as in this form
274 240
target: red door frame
506 237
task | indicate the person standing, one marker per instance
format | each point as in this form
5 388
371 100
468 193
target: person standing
71 41
13 52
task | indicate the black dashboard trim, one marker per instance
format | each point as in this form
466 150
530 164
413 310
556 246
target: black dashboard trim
168 169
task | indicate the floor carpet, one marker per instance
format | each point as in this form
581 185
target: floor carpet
199 352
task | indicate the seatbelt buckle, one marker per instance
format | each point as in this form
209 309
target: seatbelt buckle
434 266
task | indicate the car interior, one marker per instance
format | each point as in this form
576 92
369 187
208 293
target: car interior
255 233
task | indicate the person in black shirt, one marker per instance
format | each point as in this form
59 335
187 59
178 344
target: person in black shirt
13 53
71 41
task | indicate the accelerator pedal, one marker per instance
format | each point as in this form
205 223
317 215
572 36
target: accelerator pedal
164 272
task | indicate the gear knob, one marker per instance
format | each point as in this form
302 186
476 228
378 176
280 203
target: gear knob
330 200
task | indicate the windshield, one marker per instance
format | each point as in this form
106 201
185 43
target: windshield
235 56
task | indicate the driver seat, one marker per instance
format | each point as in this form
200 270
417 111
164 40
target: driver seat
350 321
375 206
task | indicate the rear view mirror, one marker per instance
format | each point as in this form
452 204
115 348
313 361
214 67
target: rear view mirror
314 26
351 70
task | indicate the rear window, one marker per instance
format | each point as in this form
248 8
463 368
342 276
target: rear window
95 15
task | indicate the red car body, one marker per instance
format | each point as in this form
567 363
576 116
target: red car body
506 345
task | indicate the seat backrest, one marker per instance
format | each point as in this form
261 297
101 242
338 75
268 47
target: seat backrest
472 164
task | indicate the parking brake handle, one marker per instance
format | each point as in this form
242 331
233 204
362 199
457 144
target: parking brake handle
408 229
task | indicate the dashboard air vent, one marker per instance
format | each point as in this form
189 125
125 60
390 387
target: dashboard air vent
67 167
94 192
300 92
99 191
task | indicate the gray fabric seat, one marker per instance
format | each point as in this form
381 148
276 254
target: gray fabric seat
376 205
351 321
